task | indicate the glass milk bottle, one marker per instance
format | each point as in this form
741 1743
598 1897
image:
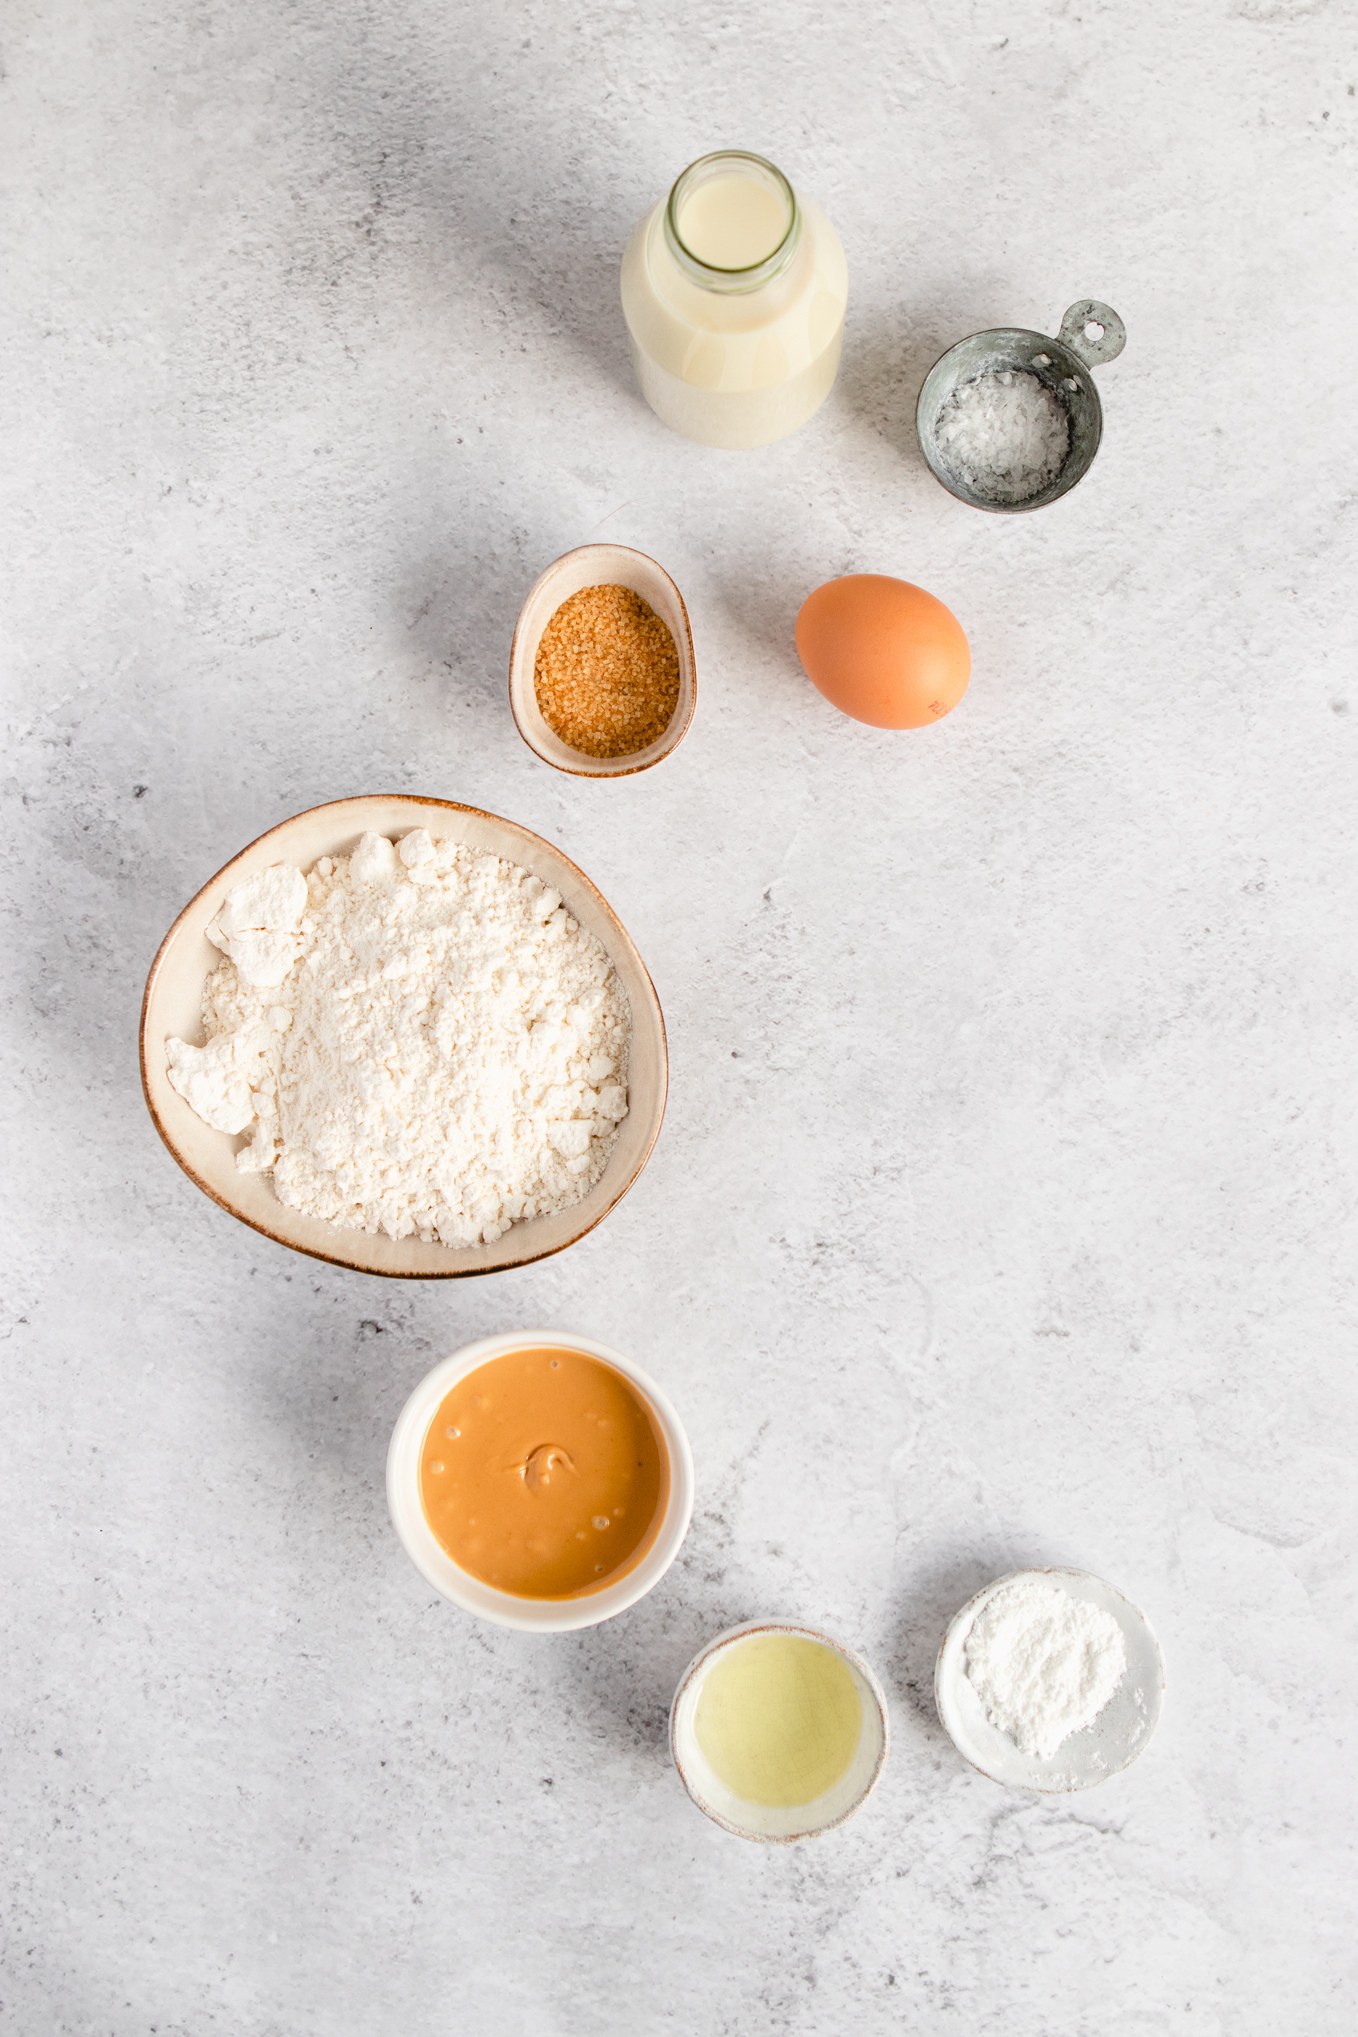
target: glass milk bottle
734 291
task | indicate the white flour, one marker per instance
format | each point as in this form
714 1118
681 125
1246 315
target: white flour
1004 434
1043 1664
419 1037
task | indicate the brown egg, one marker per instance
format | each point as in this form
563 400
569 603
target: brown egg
883 651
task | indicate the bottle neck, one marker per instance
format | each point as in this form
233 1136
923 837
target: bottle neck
732 222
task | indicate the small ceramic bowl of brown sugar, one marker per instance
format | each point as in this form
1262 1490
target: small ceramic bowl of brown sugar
601 674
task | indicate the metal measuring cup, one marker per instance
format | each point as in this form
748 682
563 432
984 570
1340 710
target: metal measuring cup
1090 334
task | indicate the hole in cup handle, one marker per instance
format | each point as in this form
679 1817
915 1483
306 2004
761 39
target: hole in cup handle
1093 332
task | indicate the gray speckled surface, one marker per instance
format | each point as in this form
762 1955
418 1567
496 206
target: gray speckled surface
1003 1212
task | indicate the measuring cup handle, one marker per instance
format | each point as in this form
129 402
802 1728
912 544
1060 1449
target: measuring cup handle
1093 348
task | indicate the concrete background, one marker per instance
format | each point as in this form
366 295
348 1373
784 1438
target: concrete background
1004 1209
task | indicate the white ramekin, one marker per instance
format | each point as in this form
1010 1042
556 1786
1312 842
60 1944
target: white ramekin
436 1566
778 1824
1114 1740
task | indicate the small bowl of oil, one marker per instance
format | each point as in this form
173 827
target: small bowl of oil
778 1732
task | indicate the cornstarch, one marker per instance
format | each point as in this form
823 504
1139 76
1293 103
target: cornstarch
1004 434
1043 1664
419 1039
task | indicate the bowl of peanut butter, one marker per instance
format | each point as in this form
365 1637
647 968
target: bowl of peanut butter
540 1480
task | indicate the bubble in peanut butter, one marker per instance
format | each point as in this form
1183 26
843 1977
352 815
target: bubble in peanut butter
601 1521
436 1468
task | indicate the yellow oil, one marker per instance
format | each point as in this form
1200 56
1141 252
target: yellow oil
778 1719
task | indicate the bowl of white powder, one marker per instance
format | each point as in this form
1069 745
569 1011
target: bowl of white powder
1009 419
407 1037
1049 1680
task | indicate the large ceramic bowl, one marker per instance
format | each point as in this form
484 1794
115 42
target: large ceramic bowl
173 1000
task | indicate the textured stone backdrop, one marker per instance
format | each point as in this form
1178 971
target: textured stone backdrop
1003 1213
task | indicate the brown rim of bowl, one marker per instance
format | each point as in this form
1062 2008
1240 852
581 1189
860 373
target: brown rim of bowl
624 769
745 1630
339 1258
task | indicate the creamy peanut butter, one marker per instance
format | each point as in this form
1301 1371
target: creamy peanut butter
543 1475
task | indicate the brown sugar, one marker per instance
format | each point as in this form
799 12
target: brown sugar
607 673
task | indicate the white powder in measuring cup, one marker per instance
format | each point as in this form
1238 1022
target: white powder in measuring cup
419 1038
1004 434
1043 1664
